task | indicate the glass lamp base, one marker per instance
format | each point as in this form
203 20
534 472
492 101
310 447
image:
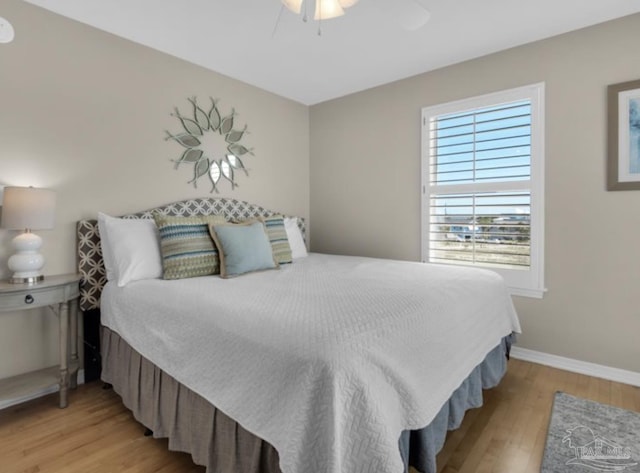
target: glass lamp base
27 263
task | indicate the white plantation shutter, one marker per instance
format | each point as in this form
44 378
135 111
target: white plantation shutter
483 171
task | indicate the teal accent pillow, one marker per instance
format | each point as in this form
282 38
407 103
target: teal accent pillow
243 248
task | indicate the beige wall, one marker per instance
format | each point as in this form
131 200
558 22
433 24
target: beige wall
365 179
84 113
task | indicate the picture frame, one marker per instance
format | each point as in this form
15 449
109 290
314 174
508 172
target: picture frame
623 143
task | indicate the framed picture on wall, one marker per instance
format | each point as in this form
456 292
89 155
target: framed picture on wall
623 162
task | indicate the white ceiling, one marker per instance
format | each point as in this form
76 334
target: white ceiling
362 49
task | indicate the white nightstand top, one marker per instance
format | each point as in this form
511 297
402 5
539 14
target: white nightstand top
49 281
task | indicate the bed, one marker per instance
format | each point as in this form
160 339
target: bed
329 364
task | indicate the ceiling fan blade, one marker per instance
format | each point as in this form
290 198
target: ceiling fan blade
409 14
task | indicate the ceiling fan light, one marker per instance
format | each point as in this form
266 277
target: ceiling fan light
294 5
347 3
327 9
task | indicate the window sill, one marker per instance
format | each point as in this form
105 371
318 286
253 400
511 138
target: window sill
524 292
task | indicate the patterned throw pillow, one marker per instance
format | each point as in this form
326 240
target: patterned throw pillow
278 238
186 246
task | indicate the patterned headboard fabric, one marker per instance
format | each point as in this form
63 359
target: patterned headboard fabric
91 266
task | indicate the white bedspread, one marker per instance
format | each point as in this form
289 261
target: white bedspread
329 358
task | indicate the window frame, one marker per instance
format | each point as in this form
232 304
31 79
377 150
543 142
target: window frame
529 283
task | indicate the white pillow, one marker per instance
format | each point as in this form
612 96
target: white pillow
296 242
130 249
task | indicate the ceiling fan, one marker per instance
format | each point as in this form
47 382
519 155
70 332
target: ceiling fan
409 14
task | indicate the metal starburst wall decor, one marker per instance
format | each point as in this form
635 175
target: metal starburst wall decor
211 144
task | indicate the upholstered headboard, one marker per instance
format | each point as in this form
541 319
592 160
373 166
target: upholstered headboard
91 266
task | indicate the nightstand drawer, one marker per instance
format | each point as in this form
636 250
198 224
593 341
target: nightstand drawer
35 298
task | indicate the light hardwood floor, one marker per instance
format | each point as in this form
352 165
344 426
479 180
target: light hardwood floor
96 434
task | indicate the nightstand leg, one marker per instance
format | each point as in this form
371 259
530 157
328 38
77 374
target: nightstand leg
73 382
64 354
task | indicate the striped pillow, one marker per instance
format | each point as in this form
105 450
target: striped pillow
278 238
186 246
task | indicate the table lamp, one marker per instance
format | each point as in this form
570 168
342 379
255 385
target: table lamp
27 208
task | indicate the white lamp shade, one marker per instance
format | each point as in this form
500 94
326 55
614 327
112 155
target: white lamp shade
294 5
347 3
28 208
7 32
327 9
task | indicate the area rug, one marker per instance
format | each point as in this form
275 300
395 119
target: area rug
586 436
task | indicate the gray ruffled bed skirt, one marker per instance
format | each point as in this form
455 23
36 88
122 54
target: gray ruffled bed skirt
219 443
420 447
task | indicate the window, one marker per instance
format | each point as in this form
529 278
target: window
483 185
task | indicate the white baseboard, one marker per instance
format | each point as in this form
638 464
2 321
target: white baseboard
577 366
37 394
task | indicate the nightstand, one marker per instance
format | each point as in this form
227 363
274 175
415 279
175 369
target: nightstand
59 293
